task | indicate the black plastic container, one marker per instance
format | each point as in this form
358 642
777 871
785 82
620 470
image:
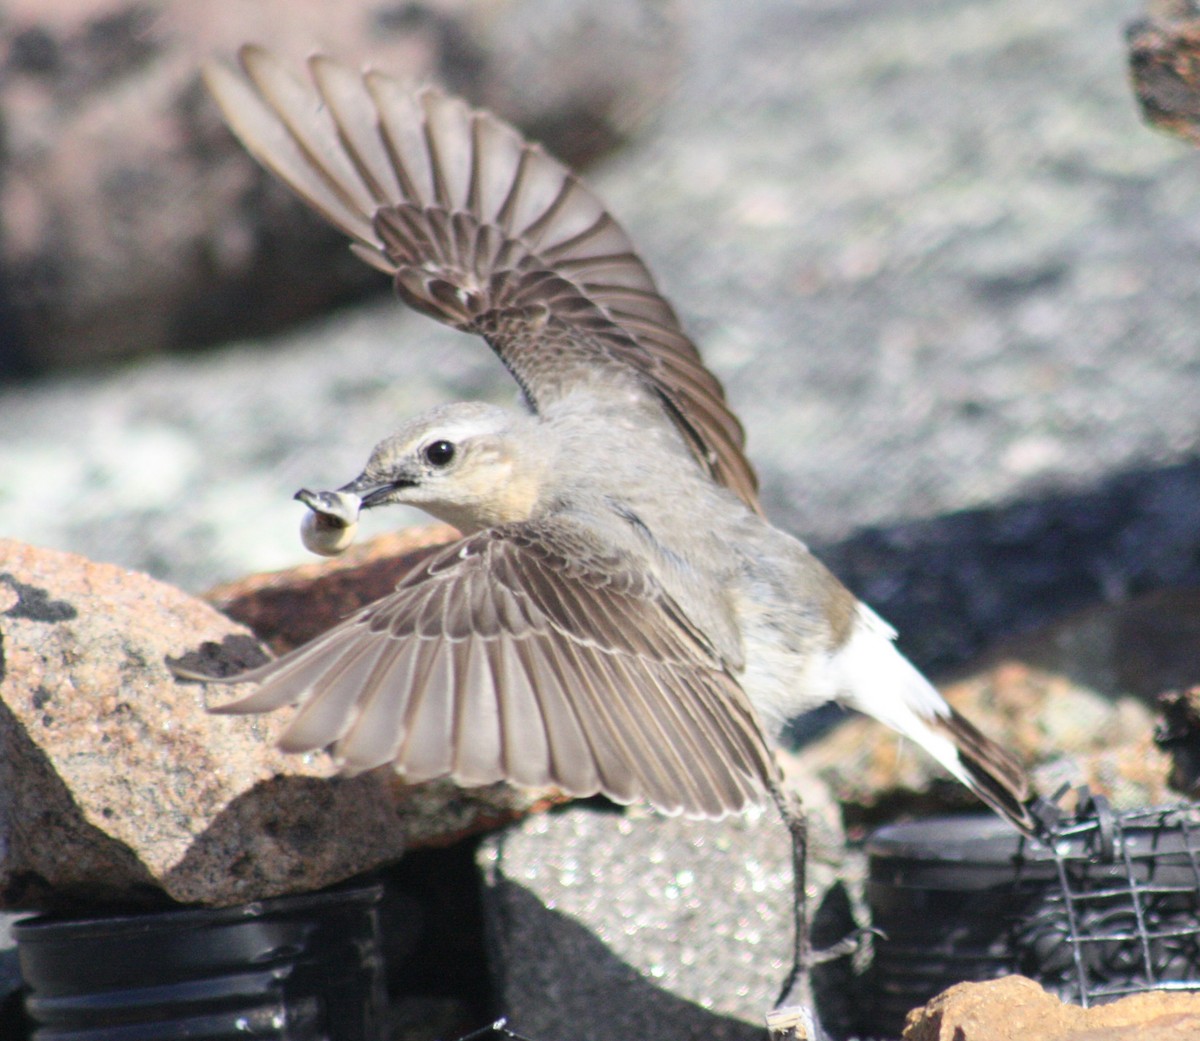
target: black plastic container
304 968
945 897
1111 908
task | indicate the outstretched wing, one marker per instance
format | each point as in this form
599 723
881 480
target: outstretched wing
486 232
527 653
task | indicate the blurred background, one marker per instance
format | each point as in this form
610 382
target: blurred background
948 277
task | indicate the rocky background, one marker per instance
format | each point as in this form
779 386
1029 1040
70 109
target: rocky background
945 272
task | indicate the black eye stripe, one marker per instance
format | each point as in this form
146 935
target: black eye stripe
439 453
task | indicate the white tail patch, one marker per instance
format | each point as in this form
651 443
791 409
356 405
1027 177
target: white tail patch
871 675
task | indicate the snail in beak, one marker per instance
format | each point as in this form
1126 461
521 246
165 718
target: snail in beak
331 523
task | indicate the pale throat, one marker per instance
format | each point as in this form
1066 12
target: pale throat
502 494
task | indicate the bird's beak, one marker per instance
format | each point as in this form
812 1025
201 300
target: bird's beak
373 493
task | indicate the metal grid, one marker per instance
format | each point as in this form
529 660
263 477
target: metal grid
1125 914
497 1029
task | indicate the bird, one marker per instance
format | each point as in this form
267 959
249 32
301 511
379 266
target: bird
619 617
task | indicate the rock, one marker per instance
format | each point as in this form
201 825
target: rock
115 781
133 222
1164 64
1017 1009
123 196
1178 735
117 785
605 71
629 924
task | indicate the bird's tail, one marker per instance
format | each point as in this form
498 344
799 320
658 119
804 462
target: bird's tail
989 770
877 679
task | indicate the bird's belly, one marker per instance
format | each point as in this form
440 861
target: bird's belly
780 681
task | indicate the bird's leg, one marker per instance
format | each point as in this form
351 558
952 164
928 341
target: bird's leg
797 987
794 1017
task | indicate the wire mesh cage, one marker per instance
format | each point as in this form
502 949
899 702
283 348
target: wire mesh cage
1124 916
1106 904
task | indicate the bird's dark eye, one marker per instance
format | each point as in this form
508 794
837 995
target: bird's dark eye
439 453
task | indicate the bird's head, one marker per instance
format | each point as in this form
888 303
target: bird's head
471 465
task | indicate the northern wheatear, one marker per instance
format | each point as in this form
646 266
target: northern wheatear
619 618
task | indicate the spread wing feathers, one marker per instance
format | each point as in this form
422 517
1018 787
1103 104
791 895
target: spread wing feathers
484 231
527 655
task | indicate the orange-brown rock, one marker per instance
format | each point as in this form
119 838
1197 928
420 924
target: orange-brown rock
1164 65
1017 1009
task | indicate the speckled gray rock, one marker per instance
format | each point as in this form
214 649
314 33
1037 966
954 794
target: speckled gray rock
612 925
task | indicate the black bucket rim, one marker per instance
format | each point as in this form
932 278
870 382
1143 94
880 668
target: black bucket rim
986 839
51 926
974 837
